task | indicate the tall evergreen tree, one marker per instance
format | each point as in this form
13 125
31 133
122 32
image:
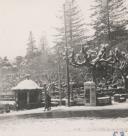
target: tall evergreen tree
43 48
109 21
31 49
75 26
43 43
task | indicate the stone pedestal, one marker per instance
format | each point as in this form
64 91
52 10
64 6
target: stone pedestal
90 93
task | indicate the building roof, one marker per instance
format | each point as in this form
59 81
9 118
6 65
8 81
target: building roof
26 84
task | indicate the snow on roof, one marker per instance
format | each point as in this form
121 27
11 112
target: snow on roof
26 85
89 83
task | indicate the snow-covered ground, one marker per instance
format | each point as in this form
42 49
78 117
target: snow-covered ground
63 127
72 108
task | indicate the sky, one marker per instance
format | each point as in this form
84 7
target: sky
19 17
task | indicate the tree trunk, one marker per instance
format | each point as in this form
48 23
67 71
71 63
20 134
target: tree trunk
126 83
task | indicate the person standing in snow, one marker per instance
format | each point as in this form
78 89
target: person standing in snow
47 102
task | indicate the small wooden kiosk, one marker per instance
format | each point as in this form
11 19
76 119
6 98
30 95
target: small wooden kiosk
27 94
90 93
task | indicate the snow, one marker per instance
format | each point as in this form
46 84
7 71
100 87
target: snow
115 106
62 127
81 126
8 102
27 85
91 83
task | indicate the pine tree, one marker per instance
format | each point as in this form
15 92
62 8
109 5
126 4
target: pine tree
75 26
43 43
109 21
31 49
43 48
